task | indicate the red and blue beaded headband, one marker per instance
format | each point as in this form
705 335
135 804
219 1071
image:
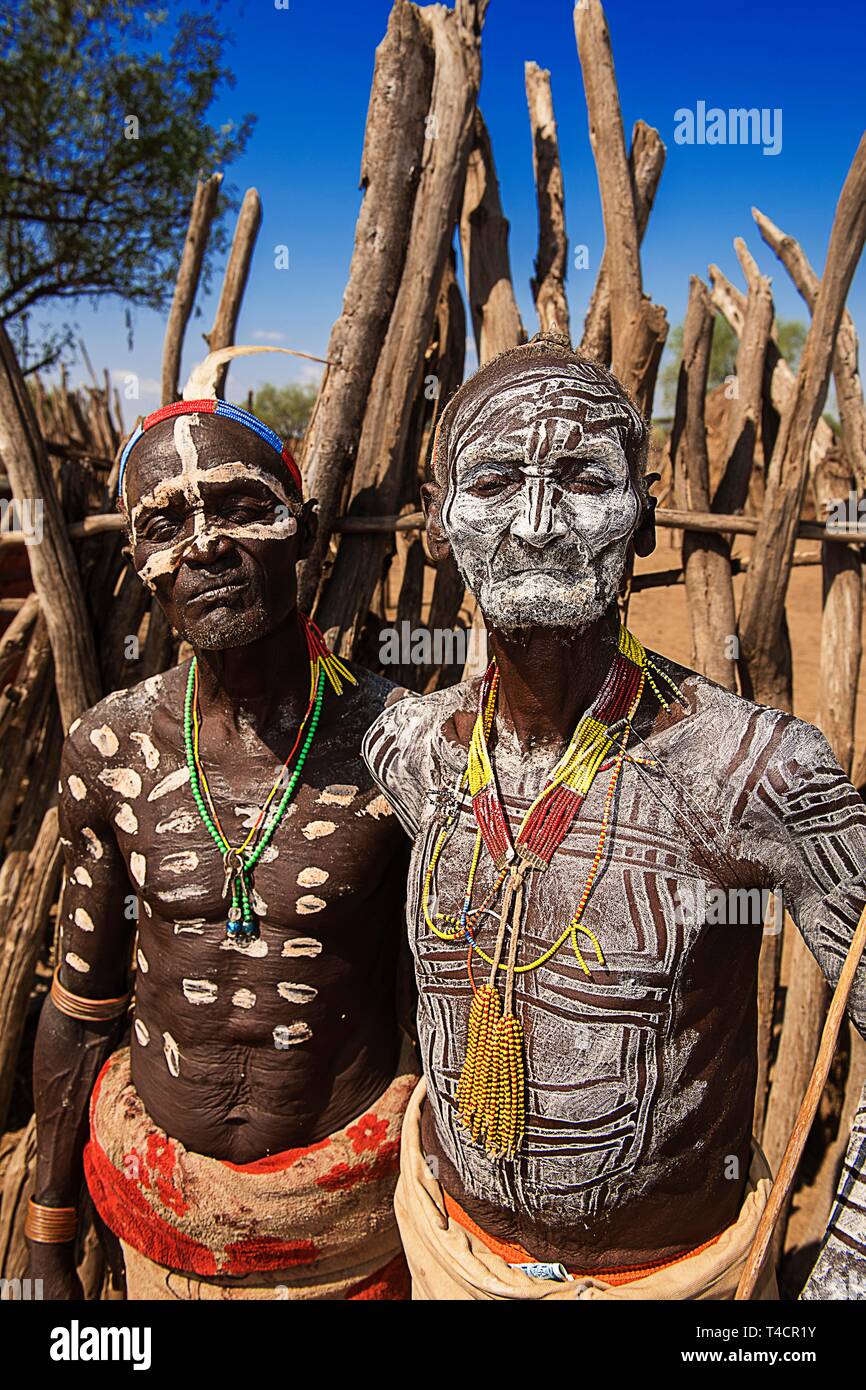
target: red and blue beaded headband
210 407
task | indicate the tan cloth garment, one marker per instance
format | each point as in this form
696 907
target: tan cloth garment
448 1262
308 1223
147 1281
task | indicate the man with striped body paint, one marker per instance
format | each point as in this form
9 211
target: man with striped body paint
244 1143
635 1175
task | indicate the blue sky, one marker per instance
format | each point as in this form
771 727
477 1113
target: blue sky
305 73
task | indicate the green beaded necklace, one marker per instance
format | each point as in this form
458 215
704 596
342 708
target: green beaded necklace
242 925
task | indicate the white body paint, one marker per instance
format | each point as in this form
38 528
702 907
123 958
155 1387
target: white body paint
200 991
104 740
126 820
149 751
290 1034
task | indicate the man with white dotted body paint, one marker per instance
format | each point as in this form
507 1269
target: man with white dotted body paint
245 1135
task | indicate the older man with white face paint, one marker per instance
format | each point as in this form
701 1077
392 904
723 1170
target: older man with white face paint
590 822
243 1144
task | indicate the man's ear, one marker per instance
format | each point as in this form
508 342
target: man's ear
308 527
644 538
431 501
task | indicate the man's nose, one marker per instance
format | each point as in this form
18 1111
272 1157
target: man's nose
207 545
538 522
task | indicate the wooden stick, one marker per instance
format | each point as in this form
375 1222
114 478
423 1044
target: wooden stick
496 318
849 388
394 152
645 163
672 518
454 37
783 1185
201 216
551 263
731 302
762 609
706 561
638 327
235 280
52 563
14 641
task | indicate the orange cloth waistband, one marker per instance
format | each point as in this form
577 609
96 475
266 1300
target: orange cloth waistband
516 1255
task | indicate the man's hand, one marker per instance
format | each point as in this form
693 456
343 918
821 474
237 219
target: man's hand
54 1265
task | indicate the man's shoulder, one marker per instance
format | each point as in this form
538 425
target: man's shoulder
101 730
407 715
736 732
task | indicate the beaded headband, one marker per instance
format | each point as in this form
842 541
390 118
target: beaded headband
210 407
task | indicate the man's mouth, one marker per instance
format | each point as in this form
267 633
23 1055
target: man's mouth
218 592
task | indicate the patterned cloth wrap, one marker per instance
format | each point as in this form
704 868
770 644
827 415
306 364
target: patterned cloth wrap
315 1222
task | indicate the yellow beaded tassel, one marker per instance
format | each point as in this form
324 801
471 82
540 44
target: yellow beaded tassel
490 1092
476 1079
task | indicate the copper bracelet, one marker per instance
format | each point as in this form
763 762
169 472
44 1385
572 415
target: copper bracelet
50 1225
87 1010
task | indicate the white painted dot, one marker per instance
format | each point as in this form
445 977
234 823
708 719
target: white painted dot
142 961
76 724
94 845
308 904
141 1032
80 874
269 855
259 904
76 963
148 910
179 823
290 1034
317 829
194 925
83 919
126 820
312 878
243 999
181 863
200 991
137 867
104 739
376 808
172 1054
76 787
149 751
296 993
122 779
169 784
338 795
302 946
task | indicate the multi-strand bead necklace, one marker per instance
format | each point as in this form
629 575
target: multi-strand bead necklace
491 1090
239 861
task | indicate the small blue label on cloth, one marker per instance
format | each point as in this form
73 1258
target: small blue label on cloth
545 1271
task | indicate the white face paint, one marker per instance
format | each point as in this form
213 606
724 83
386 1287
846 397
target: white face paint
77 788
186 484
540 505
137 867
105 740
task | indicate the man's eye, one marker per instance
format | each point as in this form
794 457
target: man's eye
160 528
490 483
245 510
578 479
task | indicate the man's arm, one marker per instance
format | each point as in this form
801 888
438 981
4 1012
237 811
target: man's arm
396 754
811 826
93 956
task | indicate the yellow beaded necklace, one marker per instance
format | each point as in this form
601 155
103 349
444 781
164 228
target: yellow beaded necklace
490 1092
